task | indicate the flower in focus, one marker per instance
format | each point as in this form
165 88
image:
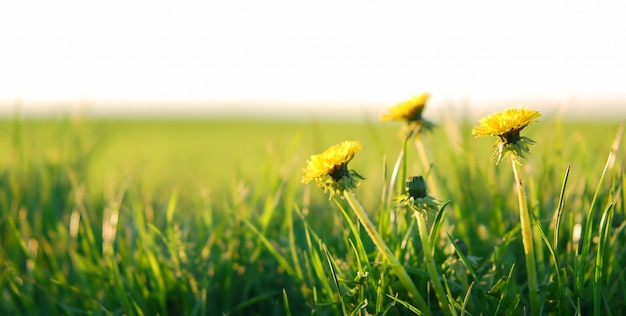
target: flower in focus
330 168
410 111
507 125
417 196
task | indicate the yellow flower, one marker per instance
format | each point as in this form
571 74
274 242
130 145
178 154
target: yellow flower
507 122
410 110
330 168
507 125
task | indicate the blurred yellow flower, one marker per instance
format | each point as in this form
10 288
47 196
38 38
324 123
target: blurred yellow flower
333 163
507 125
410 110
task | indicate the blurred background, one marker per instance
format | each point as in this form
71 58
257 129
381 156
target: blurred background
287 59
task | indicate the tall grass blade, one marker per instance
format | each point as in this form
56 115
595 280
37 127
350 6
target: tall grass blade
466 299
556 219
286 303
398 169
334 278
603 236
560 281
581 264
436 225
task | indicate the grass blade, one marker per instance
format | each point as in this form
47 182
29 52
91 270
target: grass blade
581 264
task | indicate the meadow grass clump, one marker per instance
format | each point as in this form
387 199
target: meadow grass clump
165 217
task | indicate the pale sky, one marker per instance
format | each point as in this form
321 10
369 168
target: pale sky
314 52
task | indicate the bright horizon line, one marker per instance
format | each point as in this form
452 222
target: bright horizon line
570 106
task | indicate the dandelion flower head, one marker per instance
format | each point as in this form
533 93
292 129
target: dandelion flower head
507 122
410 110
507 125
330 168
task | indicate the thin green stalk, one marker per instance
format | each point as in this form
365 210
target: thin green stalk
400 163
556 220
286 303
392 187
429 170
430 263
382 247
527 240
605 231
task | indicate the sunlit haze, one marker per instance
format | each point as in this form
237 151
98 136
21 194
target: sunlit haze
309 57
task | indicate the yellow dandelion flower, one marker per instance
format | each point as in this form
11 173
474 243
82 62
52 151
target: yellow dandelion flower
410 110
507 125
504 123
330 168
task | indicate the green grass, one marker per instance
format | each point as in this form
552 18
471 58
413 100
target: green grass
208 217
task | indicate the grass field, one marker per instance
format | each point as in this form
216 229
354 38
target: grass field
209 217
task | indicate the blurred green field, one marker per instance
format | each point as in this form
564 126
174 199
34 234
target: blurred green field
184 199
207 152
216 154
190 154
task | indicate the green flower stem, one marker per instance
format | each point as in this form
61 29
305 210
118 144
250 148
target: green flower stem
527 239
434 188
400 163
430 263
397 267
